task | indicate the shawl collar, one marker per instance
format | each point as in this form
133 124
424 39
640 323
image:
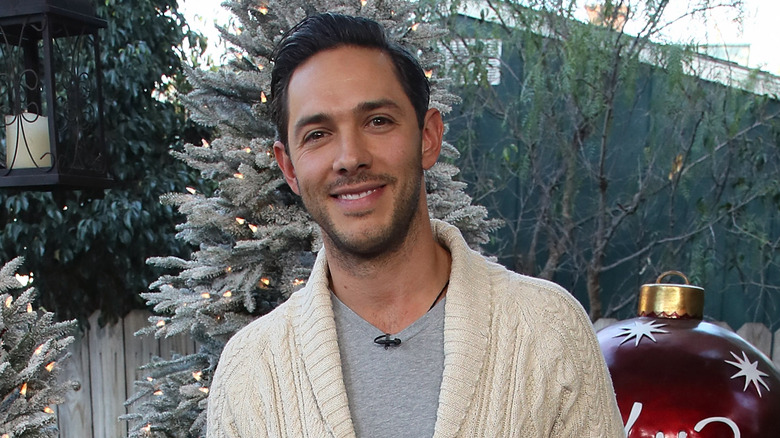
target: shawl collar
315 333
466 326
467 320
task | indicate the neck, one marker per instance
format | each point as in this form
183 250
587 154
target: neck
393 290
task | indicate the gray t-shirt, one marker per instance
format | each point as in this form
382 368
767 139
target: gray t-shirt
392 392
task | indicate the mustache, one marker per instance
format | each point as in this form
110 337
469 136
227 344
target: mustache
360 178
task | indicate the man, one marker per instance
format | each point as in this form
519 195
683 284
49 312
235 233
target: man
401 329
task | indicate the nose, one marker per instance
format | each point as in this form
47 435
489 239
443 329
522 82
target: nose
352 155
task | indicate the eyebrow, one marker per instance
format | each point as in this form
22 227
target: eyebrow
362 107
312 119
371 105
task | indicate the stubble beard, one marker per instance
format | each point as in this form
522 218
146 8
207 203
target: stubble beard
372 245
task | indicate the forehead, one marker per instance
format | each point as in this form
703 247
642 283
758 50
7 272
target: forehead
348 60
340 79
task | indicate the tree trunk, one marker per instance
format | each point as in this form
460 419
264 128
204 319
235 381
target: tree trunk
594 290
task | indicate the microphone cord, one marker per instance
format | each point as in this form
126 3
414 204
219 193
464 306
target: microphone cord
439 296
387 341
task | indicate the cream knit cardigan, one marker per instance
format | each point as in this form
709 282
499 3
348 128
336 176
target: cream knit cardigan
520 360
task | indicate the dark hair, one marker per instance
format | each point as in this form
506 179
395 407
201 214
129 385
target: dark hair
327 31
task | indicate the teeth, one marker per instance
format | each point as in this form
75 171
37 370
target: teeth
353 196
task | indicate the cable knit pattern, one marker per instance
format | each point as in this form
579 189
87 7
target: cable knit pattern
521 360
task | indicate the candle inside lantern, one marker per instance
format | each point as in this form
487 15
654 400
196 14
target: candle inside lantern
31 149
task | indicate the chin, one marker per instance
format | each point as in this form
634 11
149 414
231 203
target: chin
369 242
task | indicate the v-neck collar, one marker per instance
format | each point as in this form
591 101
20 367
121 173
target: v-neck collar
406 333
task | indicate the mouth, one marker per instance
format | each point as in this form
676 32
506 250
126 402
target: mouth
355 196
359 194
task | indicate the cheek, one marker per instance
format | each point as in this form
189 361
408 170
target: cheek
307 176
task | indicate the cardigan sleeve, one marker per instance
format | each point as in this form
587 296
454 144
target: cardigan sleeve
221 421
233 406
577 387
590 407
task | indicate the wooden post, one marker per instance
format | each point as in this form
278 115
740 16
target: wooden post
758 335
603 323
776 349
139 351
107 366
74 416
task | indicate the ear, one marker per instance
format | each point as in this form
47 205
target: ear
432 134
286 164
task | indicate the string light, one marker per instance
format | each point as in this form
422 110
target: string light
204 390
415 26
263 10
65 208
38 350
192 190
263 98
158 392
5 435
205 143
240 220
298 282
8 301
48 410
147 428
197 375
205 295
227 294
229 269
161 323
363 2
252 227
50 366
149 378
23 391
238 175
24 280
265 281
429 73
248 150
29 308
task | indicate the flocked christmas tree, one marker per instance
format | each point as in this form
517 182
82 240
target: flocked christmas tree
255 242
32 348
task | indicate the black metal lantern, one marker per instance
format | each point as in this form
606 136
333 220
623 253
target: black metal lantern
50 95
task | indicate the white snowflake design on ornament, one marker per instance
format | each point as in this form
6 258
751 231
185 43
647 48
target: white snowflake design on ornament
748 370
640 330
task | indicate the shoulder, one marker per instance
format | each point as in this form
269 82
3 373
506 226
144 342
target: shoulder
268 332
535 307
477 281
543 296
266 328
545 303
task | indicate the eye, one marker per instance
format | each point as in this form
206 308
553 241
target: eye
313 136
379 121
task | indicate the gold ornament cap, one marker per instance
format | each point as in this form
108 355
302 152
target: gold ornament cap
665 300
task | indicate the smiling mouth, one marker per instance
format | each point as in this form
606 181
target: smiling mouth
355 196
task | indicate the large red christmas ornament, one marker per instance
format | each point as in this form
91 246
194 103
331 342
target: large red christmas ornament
677 376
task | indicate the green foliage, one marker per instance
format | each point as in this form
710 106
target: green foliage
612 159
89 249
32 348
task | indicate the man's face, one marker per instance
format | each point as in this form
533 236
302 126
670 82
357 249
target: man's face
356 152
